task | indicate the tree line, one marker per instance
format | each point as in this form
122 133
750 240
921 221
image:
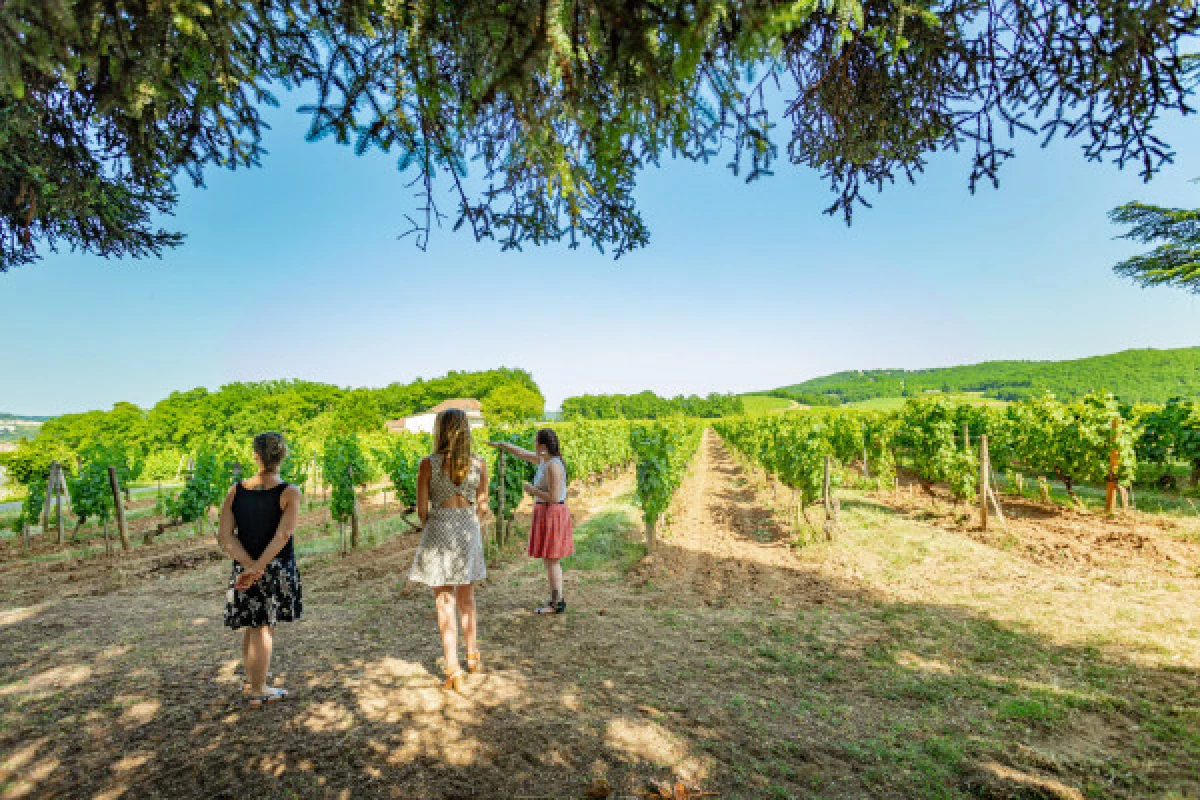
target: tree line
648 405
150 442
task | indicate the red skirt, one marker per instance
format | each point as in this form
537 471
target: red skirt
551 533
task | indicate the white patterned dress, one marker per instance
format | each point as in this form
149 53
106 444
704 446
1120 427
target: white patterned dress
451 548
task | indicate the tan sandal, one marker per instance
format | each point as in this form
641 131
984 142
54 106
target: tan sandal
454 681
474 661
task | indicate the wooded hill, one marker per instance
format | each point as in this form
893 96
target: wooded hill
1153 376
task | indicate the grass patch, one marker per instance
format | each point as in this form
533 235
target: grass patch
761 404
1029 709
607 539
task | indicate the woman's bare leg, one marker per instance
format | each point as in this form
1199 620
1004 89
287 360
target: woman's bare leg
258 644
554 577
245 658
465 597
443 600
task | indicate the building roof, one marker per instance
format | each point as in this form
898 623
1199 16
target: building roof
464 403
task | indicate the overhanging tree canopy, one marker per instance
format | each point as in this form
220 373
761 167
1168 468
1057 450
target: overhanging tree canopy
1175 261
557 105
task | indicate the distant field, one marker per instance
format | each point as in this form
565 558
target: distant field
13 430
758 404
895 403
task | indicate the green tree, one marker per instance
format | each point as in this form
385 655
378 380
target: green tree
358 411
509 403
1176 259
162 464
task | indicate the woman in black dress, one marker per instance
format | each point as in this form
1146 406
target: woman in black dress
257 521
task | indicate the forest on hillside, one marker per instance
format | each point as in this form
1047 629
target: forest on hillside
1149 376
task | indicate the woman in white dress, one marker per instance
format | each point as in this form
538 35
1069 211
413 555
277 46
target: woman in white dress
451 502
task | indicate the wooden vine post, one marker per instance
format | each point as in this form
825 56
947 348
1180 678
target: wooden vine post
353 509
827 498
56 488
119 509
502 488
1114 462
984 477
59 490
50 477
987 492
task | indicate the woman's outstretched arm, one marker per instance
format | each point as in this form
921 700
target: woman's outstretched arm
518 452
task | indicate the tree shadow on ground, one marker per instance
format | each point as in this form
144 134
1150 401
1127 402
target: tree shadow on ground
839 691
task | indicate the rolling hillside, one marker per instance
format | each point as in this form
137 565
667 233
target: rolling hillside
1133 375
7 417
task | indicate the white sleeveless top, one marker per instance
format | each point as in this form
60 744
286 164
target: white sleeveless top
542 481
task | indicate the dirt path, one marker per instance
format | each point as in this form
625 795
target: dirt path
725 547
728 660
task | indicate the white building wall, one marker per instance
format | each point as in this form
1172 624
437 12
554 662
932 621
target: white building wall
420 423
423 423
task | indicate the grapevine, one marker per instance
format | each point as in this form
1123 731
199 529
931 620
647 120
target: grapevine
203 490
401 458
346 468
663 451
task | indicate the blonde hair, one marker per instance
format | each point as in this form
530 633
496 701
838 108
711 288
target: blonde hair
452 441
271 448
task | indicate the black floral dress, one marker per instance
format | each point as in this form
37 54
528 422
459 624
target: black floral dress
276 596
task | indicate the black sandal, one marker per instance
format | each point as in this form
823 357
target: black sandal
552 607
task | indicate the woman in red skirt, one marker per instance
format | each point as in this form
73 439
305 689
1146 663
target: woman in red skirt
550 538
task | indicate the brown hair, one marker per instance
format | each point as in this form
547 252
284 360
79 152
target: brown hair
452 440
271 448
549 438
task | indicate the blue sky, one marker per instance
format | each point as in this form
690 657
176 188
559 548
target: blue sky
296 270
